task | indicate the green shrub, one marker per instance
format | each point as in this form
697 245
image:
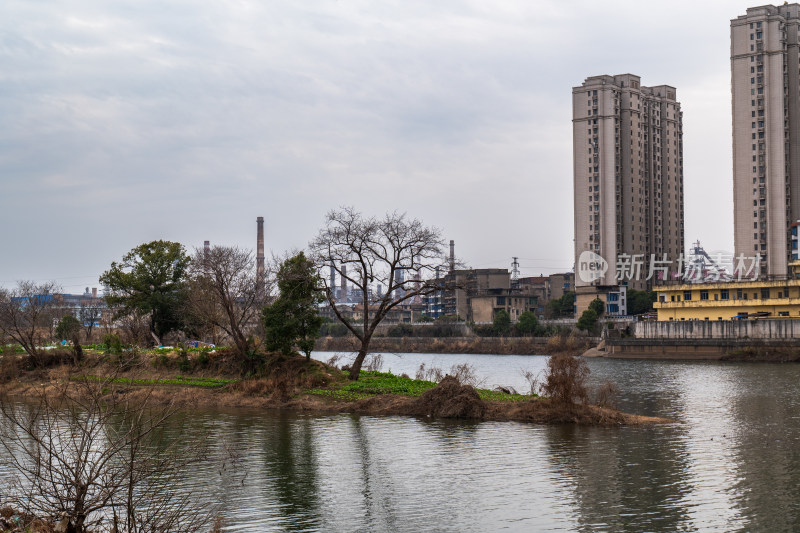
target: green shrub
68 327
112 343
527 324
334 329
588 320
484 330
501 322
400 330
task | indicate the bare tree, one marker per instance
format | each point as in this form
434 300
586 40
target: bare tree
93 460
90 315
27 313
223 292
368 251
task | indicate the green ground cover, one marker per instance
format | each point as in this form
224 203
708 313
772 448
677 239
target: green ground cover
186 381
371 384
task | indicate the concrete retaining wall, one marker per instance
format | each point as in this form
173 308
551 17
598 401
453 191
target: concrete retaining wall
735 329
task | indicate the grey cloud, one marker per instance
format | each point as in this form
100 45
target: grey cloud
186 120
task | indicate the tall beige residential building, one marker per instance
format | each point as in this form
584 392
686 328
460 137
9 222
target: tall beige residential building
765 87
628 171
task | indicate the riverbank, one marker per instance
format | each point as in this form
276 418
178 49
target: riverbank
466 345
292 383
683 349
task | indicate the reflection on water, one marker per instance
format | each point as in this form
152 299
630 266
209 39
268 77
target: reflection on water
730 462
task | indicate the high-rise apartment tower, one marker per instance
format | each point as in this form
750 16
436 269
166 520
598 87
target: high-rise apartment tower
628 171
765 89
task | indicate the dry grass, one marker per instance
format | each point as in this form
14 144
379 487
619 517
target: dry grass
464 373
534 381
450 399
607 395
285 376
374 363
429 374
565 379
9 367
546 411
13 521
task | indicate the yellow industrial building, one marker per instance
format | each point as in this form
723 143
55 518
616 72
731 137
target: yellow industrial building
731 300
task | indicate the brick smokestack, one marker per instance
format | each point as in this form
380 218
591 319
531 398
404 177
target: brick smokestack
399 278
206 247
452 255
343 297
333 281
260 254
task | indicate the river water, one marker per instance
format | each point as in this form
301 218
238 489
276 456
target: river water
730 462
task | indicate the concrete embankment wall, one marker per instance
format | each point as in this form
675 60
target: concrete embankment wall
673 349
765 340
785 330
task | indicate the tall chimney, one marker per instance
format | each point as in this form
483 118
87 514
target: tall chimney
399 278
452 255
333 281
260 254
206 247
94 292
344 297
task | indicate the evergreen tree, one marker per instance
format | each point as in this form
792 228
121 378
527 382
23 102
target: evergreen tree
501 322
527 323
150 280
293 319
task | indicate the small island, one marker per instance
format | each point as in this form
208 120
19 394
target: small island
211 378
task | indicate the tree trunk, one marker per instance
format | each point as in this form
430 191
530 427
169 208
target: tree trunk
241 342
77 351
355 368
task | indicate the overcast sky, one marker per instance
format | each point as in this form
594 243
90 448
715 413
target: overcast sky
127 121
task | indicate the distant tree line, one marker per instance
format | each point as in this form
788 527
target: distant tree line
158 292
